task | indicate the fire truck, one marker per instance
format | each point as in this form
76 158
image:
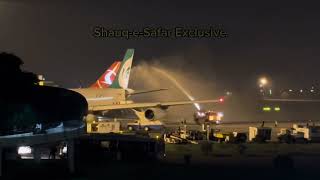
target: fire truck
210 116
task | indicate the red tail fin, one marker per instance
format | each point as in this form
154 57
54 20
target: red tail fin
108 76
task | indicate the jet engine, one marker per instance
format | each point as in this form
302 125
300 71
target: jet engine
154 113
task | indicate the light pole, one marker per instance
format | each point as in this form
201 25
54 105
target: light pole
263 82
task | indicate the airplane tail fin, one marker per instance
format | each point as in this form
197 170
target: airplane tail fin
122 78
107 78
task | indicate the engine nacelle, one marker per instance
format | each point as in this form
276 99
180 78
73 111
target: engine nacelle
154 113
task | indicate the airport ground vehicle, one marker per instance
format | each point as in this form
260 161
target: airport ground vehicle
145 125
210 116
299 134
259 134
96 126
103 127
182 136
175 139
238 137
196 135
218 136
233 137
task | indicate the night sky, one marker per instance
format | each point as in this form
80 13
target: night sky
54 38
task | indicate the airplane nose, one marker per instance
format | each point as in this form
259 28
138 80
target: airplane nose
54 104
73 105
40 104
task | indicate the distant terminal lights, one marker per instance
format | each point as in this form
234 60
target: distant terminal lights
304 91
290 92
43 82
300 90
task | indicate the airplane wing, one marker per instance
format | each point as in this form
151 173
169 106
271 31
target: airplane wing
148 105
146 91
293 100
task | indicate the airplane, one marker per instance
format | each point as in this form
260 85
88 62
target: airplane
113 92
35 115
107 78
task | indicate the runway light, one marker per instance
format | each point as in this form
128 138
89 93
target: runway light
266 109
277 108
24 150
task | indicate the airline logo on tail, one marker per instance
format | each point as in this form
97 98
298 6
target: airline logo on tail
122 79
108 77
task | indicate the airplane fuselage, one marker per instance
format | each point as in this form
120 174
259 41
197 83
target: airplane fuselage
96 96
